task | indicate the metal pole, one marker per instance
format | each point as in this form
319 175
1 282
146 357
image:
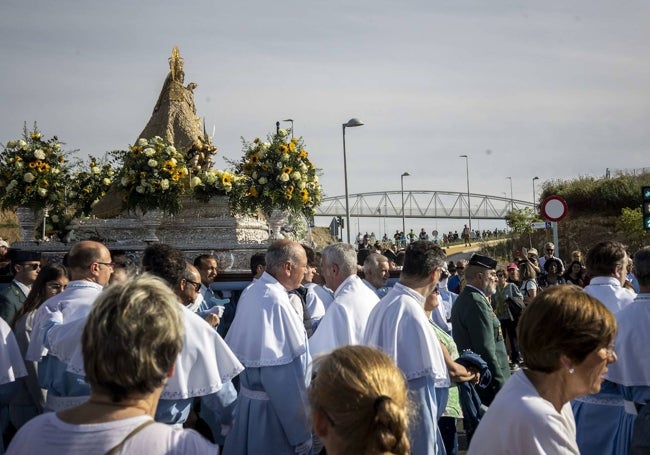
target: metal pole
401 178
512 202
469 210
345 178
534 203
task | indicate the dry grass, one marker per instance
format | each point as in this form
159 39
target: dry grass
8 226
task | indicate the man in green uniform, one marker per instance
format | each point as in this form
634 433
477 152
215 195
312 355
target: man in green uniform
476 327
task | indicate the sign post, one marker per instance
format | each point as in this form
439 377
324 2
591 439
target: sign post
554 209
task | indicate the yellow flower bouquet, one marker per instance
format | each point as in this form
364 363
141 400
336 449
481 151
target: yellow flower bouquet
153 176
276 174
214 182
33 173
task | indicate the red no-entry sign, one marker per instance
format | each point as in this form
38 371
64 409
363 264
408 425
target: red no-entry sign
554 208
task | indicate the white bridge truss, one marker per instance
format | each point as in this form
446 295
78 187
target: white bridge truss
421 204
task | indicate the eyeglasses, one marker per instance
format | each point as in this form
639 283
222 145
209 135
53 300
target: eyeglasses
500 275
197 286
29 267
550 251
107 264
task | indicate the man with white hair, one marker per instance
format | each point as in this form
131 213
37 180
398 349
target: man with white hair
377 271
346 318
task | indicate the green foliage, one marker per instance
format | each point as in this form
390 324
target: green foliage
519 220
607 196
631 222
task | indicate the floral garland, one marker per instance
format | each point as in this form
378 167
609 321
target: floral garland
90 183
276 174
33 173
211 183
153 176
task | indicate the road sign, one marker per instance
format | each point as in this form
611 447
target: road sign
539 224
554 208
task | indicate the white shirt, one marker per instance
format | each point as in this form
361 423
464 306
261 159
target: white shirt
346 318
49 434
632 344
519 421
398 326
609 291
73 303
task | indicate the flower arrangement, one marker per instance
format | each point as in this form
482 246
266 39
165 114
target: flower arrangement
209 183
153 176
276 174
33 173
90 183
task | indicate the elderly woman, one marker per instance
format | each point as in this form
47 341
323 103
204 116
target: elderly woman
532 413
359 402
130 341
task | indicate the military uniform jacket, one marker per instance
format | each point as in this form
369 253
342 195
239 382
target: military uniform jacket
11 300
476 327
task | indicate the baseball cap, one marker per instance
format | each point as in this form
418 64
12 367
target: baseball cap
511 266
3 243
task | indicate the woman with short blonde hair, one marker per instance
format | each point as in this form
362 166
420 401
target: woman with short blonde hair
130 343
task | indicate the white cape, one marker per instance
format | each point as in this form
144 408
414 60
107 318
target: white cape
345 320
12 366
398 326
266 330
202 367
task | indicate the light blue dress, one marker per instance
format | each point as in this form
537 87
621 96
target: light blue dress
269 339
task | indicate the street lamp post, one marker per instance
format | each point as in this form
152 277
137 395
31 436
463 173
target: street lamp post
512 203
350 124
405 174
469 210
534 203
290 120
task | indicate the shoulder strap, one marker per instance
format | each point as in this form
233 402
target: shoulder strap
135 431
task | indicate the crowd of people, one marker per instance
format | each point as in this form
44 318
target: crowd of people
320 354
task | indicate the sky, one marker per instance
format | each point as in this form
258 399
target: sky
552 89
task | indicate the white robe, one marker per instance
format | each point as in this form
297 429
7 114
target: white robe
345 320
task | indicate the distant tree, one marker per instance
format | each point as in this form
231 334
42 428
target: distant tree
519 220
631 222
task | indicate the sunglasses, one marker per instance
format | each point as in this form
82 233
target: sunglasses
31 266
197 286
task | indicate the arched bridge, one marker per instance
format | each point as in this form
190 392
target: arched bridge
422 204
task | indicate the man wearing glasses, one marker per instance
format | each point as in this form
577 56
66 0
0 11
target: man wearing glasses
25 266
549 253
90 267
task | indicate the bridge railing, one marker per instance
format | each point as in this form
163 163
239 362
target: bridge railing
421 204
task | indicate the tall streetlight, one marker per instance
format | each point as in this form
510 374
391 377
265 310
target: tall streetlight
290 120
401 178
534 203
469 210
350 124
512 203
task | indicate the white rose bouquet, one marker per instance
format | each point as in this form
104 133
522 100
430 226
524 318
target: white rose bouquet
153 176
33 173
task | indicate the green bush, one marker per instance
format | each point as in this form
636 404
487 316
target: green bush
588 195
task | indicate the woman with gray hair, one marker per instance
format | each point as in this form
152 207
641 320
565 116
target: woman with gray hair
130 342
